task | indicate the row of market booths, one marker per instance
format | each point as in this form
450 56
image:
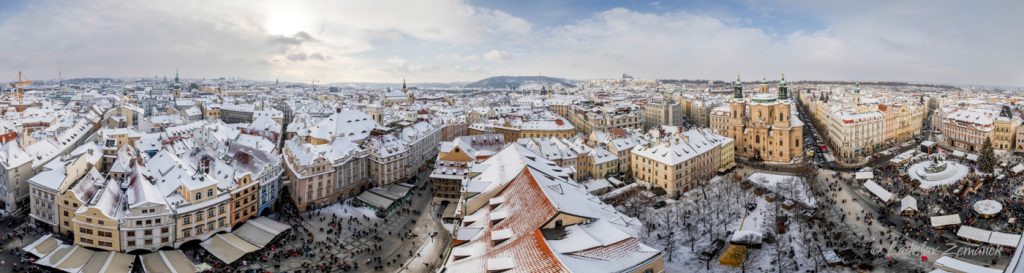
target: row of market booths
228 247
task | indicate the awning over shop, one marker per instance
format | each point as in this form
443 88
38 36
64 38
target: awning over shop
375 200
109 262
167 261
260 231
42 246
66 258
227 247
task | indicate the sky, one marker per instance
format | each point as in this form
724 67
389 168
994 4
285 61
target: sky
959 42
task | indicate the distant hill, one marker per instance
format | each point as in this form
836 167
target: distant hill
521 82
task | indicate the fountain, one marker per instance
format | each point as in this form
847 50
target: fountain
937 172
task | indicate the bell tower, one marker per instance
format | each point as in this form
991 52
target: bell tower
737 111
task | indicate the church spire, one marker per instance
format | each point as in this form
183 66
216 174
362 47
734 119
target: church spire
783 90
737 88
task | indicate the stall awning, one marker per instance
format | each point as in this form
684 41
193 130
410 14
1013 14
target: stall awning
167 261
958 154
42 246
953 265
972 157
908 203
1017 168
878 191
227 247
375 200
1004 239
974 234
864 175
73 260
945 220
109 262
260 231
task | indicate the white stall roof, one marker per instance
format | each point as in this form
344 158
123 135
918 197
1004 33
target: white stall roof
1017 168
864 175
908 203
1004 239
954 265
974 234
946 220
878 191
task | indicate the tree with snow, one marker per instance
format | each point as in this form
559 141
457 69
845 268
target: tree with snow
987 159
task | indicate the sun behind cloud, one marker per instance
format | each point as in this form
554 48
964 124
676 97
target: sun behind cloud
286 18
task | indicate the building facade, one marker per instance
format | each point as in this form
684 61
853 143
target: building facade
765 127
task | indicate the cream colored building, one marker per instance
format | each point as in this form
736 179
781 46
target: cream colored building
662 113
765 126
854 134
678 163
321 174
96 223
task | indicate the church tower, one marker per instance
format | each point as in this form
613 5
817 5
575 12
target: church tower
856 94
782 106
783 90
737 109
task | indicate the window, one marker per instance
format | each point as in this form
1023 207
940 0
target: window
209 192
147 232
186 233
187 219
199 195
130 234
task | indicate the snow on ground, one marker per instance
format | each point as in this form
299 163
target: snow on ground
345 210
786 185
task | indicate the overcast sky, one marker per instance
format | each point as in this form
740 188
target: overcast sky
977 42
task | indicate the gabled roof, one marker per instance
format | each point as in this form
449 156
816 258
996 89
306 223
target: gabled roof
516 193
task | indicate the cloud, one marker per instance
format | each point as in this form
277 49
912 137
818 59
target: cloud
496 55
